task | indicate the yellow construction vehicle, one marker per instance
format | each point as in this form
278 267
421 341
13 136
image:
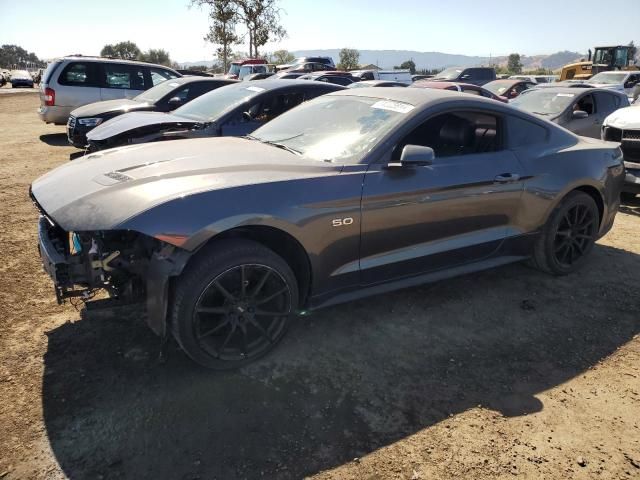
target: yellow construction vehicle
619 57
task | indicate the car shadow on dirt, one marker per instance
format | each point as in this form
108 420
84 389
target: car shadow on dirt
55 139
344 382
631 206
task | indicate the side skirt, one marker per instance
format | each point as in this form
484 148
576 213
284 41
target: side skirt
316 303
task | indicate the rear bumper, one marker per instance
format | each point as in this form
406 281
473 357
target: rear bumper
21 83
55 114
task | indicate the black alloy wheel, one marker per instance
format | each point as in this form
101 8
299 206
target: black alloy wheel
569 235
233 303
241 313
575 234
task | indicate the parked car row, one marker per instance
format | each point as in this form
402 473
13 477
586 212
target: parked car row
17 79
235 110
313 194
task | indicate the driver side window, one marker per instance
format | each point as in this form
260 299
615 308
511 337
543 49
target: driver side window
267 109
586 104
454 134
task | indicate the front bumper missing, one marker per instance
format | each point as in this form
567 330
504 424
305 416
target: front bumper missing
65 270
55 264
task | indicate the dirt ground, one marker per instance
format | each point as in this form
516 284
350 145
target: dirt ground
506 373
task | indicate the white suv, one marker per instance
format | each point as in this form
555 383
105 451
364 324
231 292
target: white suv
71 82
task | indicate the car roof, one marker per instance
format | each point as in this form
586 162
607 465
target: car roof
335 73
279 83
418 97
509 81
442 85
614 72
197 78
80 58
378 82
575 91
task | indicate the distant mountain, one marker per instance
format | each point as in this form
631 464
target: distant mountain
431 60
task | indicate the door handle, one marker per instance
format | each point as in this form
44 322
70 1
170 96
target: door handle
507 177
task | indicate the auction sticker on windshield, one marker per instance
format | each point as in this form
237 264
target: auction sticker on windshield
398 107
255 89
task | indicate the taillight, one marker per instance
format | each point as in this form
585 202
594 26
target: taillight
49 97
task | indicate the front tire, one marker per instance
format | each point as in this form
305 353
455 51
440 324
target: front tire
233 303
568 236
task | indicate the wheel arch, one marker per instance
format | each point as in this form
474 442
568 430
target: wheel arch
282 243
594 193
583 187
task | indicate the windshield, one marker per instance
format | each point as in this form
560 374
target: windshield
20 73
159 91
234 69
335 128
211 105
543 102
608 78
249 69
449 74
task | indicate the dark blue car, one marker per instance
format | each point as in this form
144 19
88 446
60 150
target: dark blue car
231 111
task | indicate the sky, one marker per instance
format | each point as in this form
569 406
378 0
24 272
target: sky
471 27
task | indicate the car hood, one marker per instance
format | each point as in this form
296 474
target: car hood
133 120
103 190
109 106
625 118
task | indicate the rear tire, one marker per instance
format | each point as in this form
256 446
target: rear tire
568 236
232 304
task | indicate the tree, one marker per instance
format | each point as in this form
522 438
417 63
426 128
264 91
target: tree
280 57
633 51
349 59
159 56
261 18
408 65
125 50
13 56
223 15
513 64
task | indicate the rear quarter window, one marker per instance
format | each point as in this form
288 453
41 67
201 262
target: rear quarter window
51 69
159 75
80 74
522 133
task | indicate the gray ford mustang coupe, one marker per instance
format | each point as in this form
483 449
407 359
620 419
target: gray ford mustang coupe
355 193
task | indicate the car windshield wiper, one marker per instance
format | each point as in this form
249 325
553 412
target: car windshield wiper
541 113
276 144
282 146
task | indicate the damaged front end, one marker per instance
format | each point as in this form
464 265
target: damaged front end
81 262
129 266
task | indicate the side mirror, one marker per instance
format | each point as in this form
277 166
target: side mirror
175 102
414 156
579 114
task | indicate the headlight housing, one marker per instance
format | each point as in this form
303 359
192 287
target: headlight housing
90 122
